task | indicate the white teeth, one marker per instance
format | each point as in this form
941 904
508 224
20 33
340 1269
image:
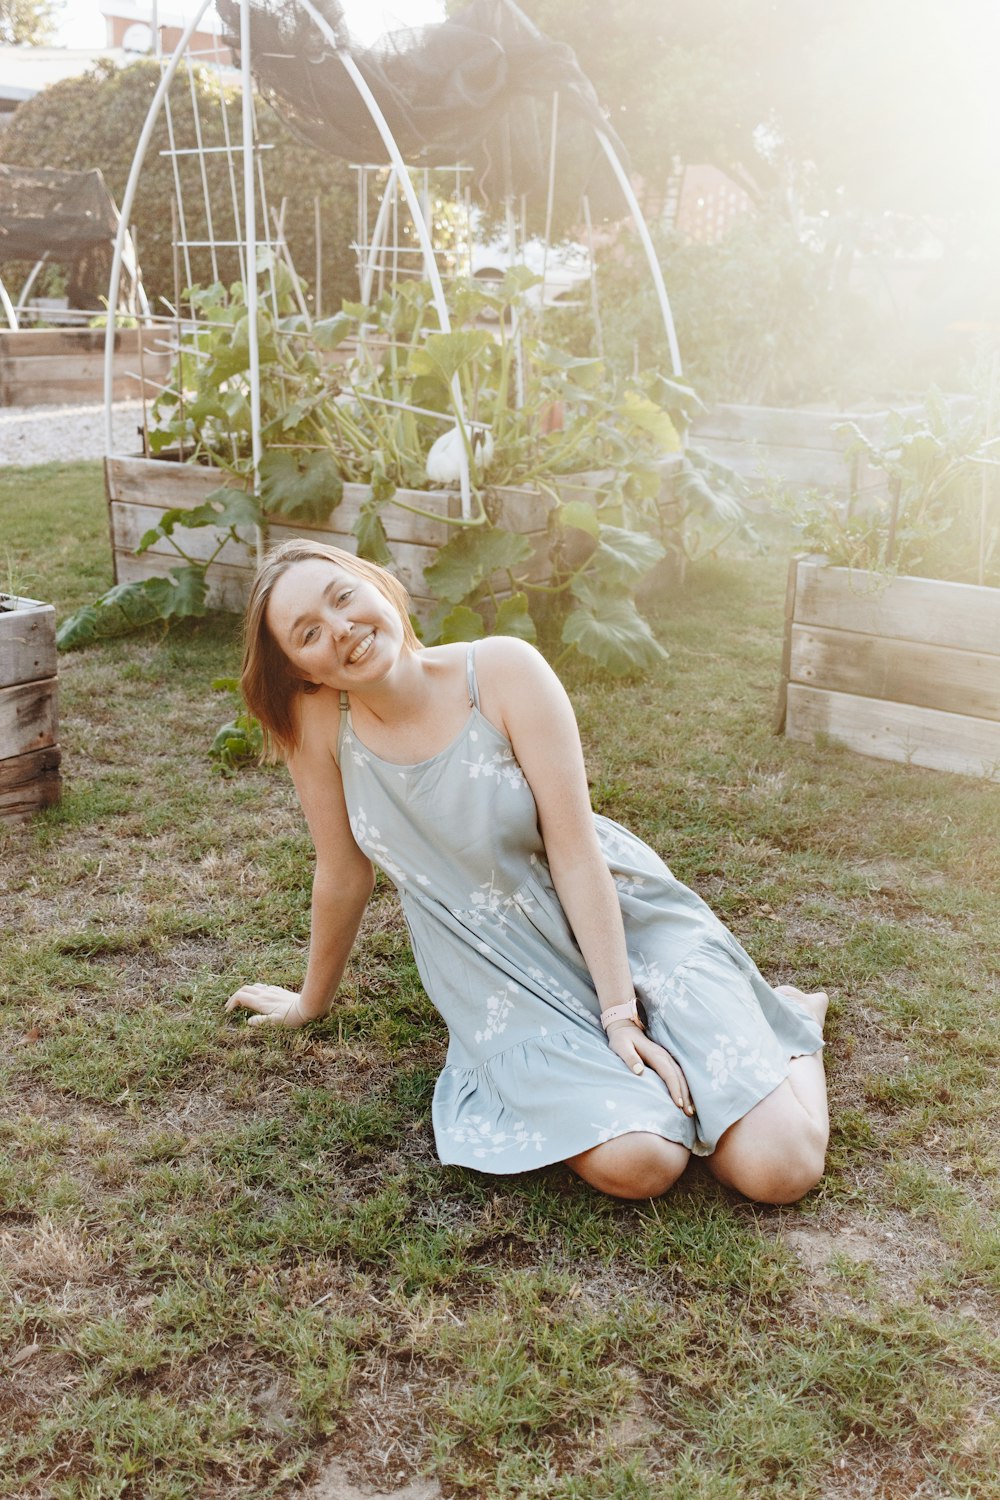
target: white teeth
362 648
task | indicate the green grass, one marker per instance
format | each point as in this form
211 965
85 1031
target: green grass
226 1257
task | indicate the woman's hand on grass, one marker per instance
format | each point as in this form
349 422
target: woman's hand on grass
635 1049
273 1005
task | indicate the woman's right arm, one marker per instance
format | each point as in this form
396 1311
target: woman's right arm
342 884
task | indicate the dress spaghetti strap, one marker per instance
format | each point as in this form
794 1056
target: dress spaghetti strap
345 704
470 668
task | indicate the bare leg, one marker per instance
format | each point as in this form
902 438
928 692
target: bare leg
776 1153
636 1165
805 1074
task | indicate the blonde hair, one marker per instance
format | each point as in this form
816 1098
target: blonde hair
267 680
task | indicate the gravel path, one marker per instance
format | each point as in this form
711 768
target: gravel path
63 434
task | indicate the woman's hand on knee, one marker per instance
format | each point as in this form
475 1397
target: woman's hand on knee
637 1051
273 1005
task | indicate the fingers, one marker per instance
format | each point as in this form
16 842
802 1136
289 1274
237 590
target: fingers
670 1072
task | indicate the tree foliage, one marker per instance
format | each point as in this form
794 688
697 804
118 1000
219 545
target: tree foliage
27 23
95 121
876 107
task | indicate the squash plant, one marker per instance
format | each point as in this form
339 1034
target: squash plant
532 414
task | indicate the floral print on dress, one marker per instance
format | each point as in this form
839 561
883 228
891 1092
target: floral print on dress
500 766
498 1008
484 1139
661 991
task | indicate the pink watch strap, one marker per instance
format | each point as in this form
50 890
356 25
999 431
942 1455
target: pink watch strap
628 1011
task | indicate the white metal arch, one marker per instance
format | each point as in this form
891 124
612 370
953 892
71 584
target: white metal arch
402 175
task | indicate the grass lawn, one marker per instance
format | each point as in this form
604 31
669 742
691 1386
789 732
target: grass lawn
228 1258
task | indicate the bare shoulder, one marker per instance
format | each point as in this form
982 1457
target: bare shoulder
503 660
518 689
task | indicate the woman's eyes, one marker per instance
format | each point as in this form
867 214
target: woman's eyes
313 630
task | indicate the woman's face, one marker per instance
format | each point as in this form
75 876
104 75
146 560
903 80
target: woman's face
336 628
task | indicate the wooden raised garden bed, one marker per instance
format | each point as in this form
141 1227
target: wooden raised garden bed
904 669
139 490
49 366
29 754
796 448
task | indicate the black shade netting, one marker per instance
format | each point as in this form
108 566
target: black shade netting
66 215
476 89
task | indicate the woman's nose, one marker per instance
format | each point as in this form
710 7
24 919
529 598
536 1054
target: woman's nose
340 625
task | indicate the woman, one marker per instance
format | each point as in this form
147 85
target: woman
536 925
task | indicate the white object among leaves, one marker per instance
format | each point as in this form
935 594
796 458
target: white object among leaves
444 461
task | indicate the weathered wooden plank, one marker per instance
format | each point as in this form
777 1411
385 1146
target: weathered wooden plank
65 392
158 481
962 615
794 466
17 804
228 587
794 427
130 522
27 642
77 369
168 485
71 341
871 666
786 647
896 731
20 770
28 717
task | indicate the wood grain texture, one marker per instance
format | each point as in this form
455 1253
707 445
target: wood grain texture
28 717
20 770
27 642
962 682
896 731
961 615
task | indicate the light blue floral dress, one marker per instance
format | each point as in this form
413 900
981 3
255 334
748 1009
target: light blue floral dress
529 1077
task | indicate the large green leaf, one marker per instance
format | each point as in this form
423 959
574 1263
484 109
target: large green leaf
585 371
444 354
329 332
579 514
130 606
710 488
184 593
623 557
470 557
226 508
372 541
462 624
641 412
612 633
305 486
514 618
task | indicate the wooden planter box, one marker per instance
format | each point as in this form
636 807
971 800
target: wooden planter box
50 366
29 754
139 490
904 669
796 448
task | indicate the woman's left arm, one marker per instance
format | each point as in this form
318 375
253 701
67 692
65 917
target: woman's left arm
520 690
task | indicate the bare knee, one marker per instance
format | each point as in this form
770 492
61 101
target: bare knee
773 1172
637 1165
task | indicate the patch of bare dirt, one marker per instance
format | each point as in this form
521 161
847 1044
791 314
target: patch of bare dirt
336 1482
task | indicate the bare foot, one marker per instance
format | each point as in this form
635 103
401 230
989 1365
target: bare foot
815 1005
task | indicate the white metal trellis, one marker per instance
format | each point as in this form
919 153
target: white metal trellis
248 237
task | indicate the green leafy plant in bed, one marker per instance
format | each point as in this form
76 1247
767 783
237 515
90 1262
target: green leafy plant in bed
531 417
937 517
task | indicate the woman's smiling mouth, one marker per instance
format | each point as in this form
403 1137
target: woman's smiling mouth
361 649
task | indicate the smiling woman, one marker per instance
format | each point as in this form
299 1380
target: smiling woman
598 1012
